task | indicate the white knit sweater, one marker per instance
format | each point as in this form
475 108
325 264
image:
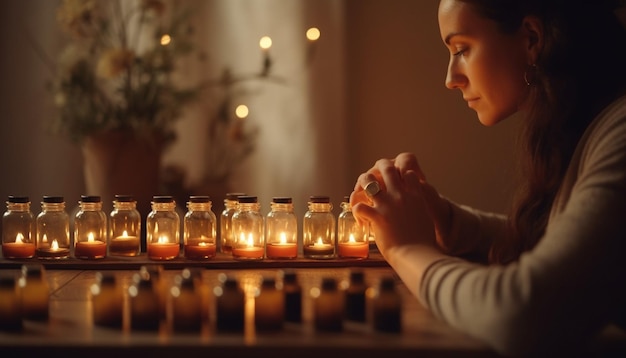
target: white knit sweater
572 284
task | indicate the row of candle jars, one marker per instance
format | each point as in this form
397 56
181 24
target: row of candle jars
246 233
91 238
184 304
250 236
47 235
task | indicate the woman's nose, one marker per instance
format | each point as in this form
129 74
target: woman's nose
454 77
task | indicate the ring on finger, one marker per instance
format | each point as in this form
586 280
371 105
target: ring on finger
371 189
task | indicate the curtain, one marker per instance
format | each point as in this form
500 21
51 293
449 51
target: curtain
298 109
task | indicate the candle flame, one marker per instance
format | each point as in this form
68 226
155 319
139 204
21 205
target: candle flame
125 233
166 39
44 238
55 245
19 239
351 239
283 238
319 241
249 241
90 237
163 239
202 244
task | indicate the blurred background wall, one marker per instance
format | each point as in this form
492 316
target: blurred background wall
375 88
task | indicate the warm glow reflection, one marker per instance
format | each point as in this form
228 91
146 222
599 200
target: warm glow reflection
313 34
315 292
44 238
242 111
166 39
265 42
19 238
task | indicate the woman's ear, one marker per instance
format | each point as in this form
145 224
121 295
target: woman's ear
533 32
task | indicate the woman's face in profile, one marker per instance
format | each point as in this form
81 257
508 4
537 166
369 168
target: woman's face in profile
486 65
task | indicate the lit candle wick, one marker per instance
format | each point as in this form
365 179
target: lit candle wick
125 233
90 237
250 240
19 238
55 245
283 238
351 239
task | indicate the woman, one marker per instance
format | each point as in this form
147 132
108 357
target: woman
552 274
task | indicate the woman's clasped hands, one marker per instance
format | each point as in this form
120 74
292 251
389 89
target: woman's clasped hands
403 209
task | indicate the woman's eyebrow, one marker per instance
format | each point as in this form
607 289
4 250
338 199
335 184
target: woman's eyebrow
450 36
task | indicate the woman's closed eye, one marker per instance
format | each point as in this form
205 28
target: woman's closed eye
460 52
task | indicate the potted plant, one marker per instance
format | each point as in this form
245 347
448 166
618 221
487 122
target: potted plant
115 92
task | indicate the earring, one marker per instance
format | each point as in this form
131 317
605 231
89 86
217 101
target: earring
530 75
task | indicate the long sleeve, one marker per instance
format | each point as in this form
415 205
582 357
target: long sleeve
573 283
472 232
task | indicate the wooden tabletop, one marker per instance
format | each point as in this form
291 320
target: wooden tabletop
70 329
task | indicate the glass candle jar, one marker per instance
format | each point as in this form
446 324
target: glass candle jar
10 303
386 306
163 229
226 233
154 273
293 297
248 229
269 306
352 237
186 305
199 229
35 292
18 224
107 300
202 288
328 304
90 229
143 305
125 227
53 229
355 297
281 230
318 229
230 302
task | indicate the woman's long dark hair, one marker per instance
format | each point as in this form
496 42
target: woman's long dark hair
581 68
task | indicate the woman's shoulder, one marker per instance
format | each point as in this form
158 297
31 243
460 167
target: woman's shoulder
613 114
607 132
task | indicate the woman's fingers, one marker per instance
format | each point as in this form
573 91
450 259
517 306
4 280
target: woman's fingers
407 161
